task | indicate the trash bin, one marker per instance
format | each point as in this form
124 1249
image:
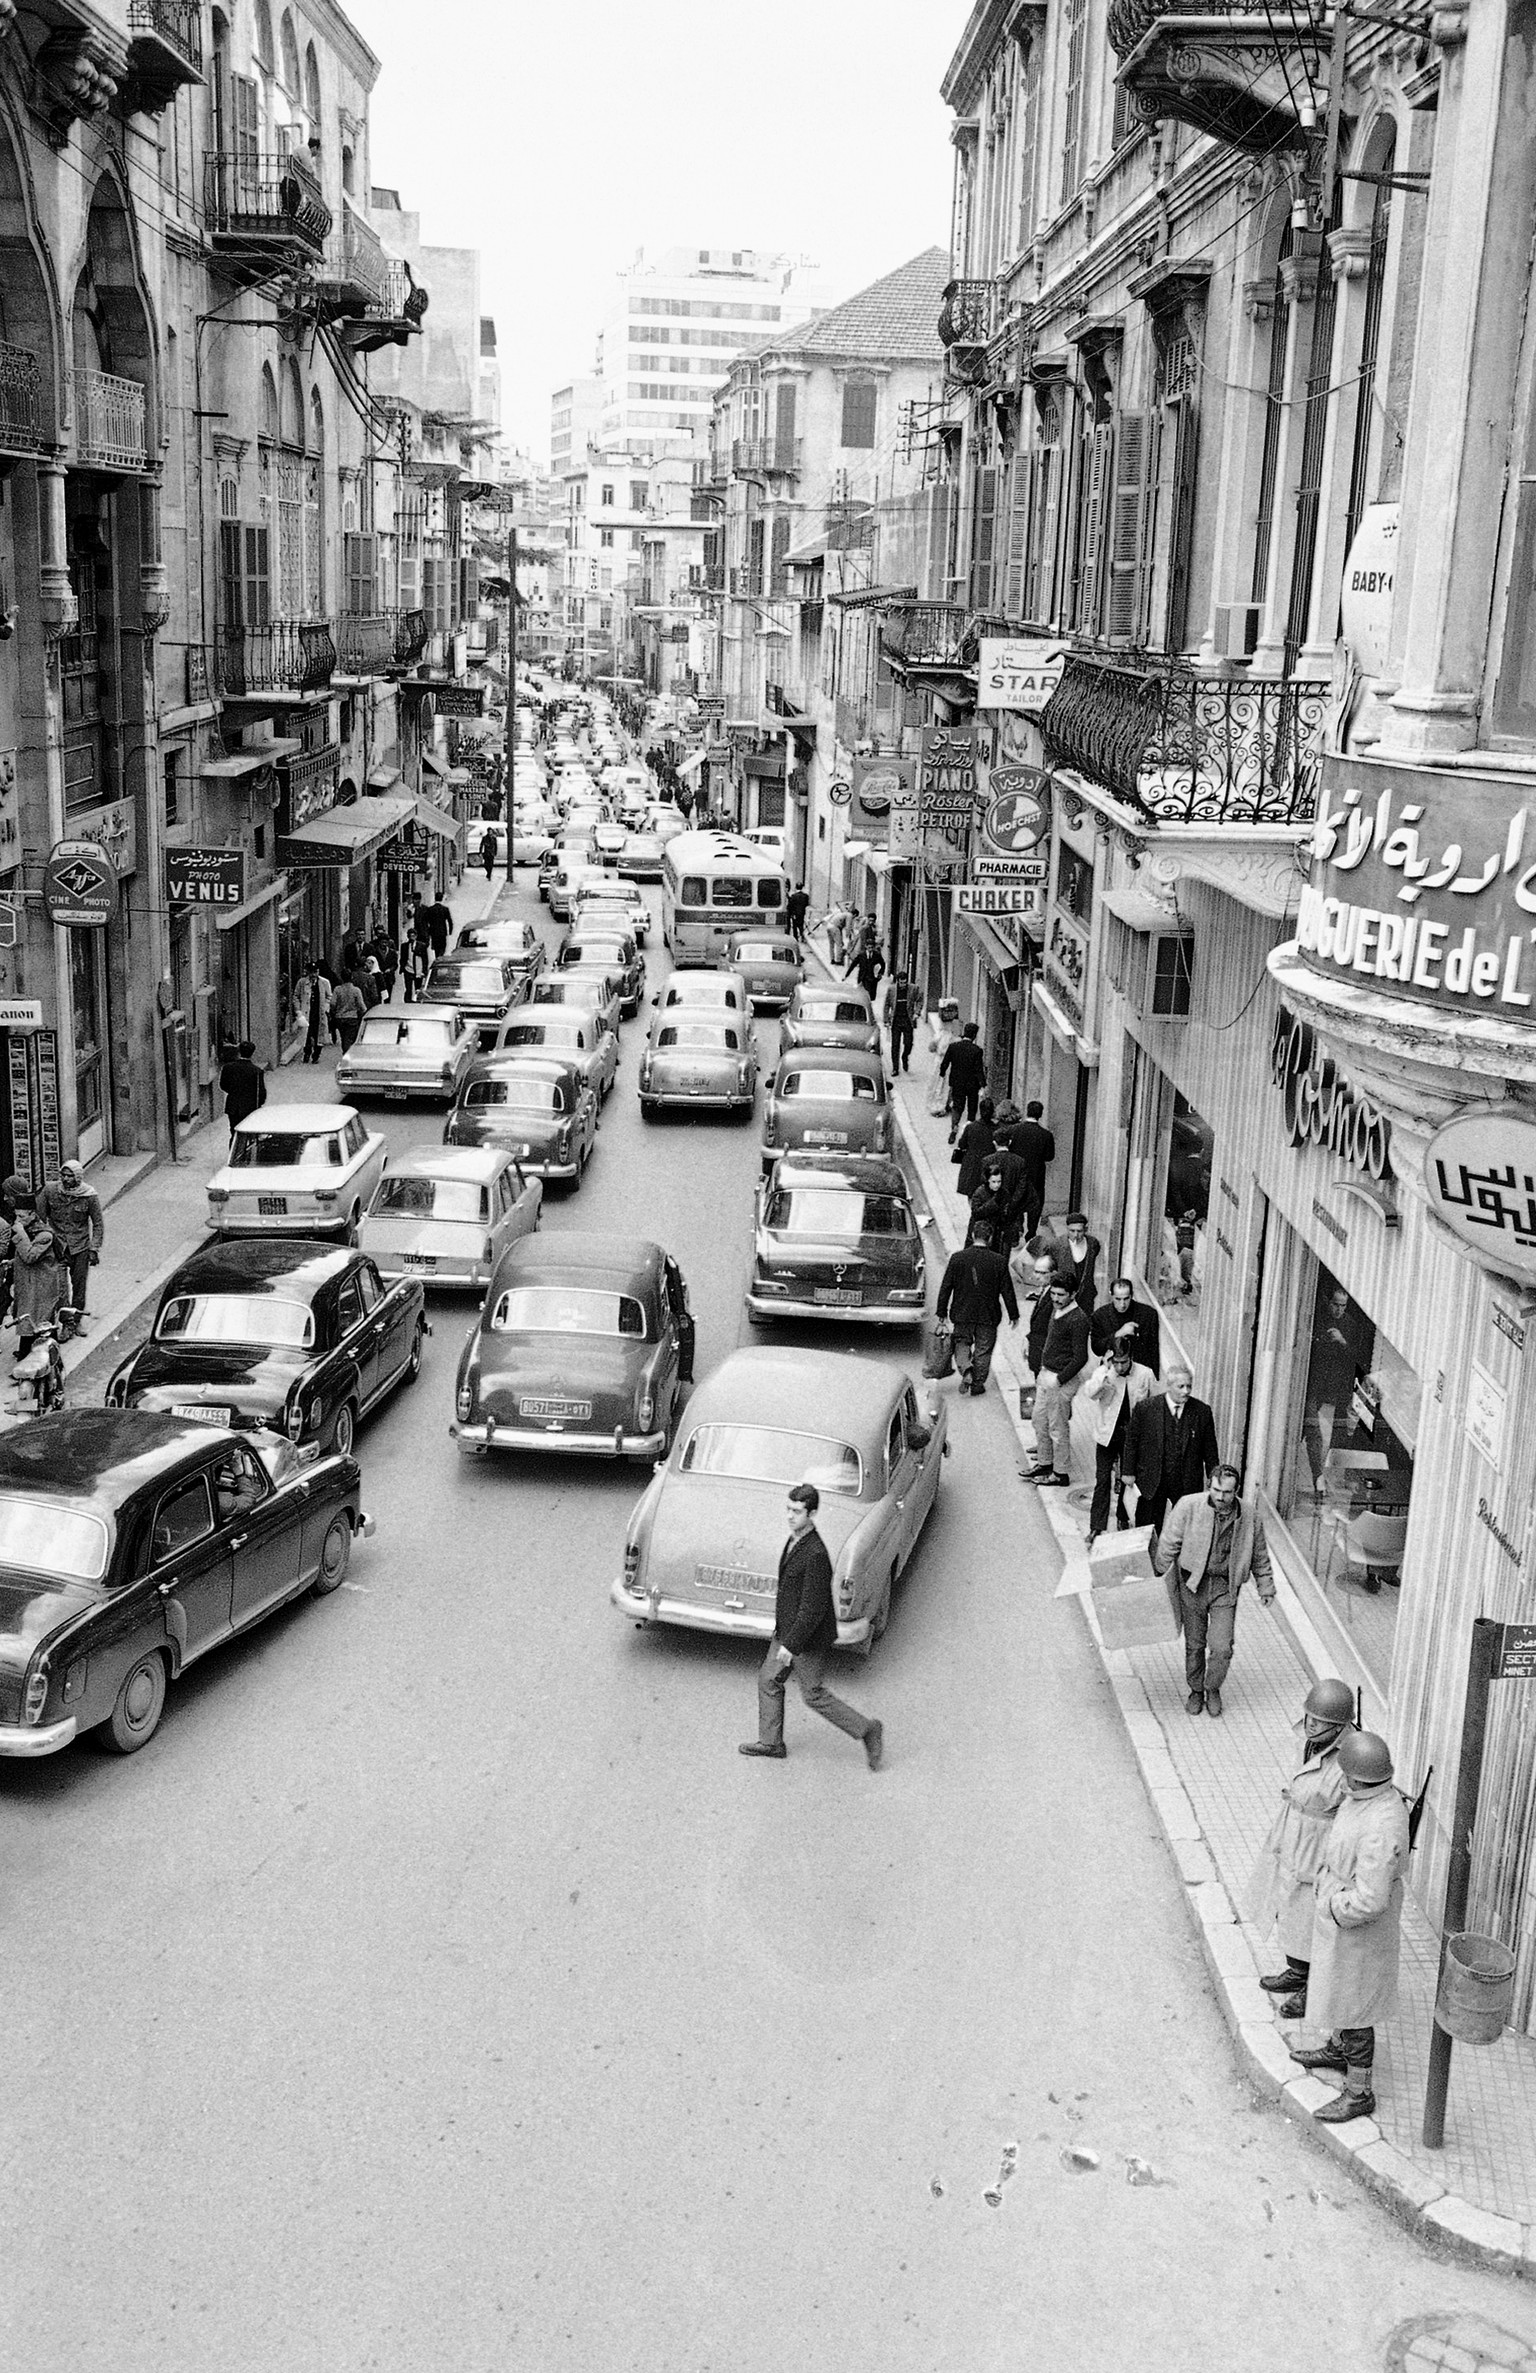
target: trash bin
1477 1987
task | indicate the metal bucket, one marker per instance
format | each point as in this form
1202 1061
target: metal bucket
1477 1987
1026 1400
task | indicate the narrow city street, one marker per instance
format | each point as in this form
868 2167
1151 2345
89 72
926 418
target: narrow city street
440 1988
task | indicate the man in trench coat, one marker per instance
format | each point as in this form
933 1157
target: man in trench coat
1356 1926
1282 1892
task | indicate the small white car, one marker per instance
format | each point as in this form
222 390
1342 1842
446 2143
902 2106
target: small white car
420 1052
448 1213
613 896
297 1170
608 840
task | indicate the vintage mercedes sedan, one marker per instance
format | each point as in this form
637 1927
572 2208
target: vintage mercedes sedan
603 983
484 988
296 1170
640 859
517 942
837 1240
706 1061
772 969
575 1031
827 1099
703 1544
302 1338
537 1106
720 996
830 1013
613 896
585 1345
447 1214
417 1050
132 1544
606 948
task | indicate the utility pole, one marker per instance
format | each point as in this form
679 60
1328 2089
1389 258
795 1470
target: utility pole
511 700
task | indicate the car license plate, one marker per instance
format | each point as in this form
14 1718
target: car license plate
554 1408
849 1294
735 1581
826 1136
421 1260
696 1087
394 1095
201 1412
272 1206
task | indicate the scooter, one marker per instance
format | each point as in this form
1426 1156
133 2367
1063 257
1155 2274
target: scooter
37 1379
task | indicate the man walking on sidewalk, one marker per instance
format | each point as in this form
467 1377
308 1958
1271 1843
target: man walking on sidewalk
965 1067
1122 1316
804 1635
1034 1147
1064 1365
73 1211
1116 1387
1212 1542
973 1294
244 1084
902 1022
796 907
1356 1926
1170 1448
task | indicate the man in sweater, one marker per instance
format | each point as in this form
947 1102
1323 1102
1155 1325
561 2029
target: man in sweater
965 1067
973 1293
804 1635
1064 1366
1123 1316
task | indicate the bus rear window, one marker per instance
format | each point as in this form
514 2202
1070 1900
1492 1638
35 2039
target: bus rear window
731 890
694 891
769 892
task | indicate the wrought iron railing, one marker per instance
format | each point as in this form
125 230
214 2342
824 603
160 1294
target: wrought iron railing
287 655
21 401
1182 748
924 634
355 260
967 314
178 23
265 197
765 456
365 645
109 421
412 634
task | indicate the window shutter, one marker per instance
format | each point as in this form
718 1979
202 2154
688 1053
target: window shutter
1181 536
257 596
1126 529
1020 512
247 120
983 538
1048 603
229 572
784 413
780 560
1099 459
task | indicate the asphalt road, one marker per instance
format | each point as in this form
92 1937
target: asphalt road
441 1989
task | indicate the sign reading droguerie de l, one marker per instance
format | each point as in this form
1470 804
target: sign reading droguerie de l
946 781
1425 882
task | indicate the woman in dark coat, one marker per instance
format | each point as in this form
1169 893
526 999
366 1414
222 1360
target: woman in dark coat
975 1142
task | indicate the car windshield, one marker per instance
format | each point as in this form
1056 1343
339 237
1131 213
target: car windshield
765 951
433 1198
834 1211
769 1454
561 1034
39 1536
567 1310
273 1319
383 1029
825 1010
282 1149
831 1087
471 980
523 1095
715 1034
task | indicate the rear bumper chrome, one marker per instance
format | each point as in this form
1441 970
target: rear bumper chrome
617 1444
36 1738
690 1615
864 1314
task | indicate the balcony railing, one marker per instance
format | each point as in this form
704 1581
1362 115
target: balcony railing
287 655
924 634
968 313
365 646
764 457
1187 749
412 634
21 401
177 25
109 422
355 269
713 576
266 201
747 584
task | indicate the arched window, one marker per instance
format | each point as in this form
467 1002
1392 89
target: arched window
347 171
292 411
1366 444
314 523
291 82
265 57
312 91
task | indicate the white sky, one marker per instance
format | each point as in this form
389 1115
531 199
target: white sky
558 137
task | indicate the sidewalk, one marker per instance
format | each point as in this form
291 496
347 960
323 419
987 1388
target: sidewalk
1215 1788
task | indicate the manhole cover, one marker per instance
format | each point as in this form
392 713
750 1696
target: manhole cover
1458 2344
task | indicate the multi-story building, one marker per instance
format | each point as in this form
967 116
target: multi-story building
575 417
677 322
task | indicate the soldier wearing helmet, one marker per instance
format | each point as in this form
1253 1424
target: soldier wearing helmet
1280 1893
1356 1923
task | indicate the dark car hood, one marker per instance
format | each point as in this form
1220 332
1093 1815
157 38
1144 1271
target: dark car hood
30 1610
251 1377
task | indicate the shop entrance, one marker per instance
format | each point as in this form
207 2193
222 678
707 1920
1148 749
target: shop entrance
88 1005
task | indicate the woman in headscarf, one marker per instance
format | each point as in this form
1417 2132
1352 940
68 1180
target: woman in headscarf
40 1280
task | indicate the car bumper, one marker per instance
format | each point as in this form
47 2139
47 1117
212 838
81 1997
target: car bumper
644 1607
293 1223
866 1314
618 1444
36 1738
532 1167
399 1091
459 1274
705 1099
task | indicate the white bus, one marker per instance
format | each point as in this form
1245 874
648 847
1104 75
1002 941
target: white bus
713 886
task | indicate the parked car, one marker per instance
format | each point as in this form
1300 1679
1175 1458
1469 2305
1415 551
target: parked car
827 1096
484 988
703 1545
823 1013
296 1170
300 1337
606 948
640 859
585 1345
415 1051
610 896
701 1060
577 1032
447 1214
130 1545
772 968
608 841
837 1242
539 1107
516 943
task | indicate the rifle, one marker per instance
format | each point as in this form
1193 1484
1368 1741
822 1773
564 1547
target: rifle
1416 1809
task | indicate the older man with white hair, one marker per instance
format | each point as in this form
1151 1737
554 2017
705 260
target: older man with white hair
1170 1447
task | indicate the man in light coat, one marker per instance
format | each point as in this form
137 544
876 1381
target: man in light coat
1356 1926
1282 1891
1116 1386
1213 1541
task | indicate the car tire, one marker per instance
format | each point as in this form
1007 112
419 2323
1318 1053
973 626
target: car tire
882 1615
647 1108
335 1556
413 1364
341 1434
137 1708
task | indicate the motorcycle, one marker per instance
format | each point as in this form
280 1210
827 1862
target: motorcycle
37 1378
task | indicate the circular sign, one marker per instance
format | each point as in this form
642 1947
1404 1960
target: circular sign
1480 1171
1019 816
80 885
878 788
839 793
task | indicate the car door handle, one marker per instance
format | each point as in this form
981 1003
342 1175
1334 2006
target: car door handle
900 1504
240 1540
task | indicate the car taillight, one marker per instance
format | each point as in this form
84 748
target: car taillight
631 1565
464 1400
295 1419
742 1075
645 1407
563 1144
37 1693
218 1194
845 1595
325 1194
489 1251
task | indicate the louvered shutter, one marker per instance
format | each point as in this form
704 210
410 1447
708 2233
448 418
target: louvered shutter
1100 457
1048 601
1019 513
257 602
1127 514
983 538
1181 537
784 422
779 561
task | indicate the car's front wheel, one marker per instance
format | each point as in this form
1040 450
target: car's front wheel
335 1556
343 1431
413 1364
137 1708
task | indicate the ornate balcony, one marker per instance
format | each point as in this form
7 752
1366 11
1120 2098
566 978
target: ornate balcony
289 657
766 457
412 634
354 272
109 422
924 638
747 584
165 51
967 320
1178 748
22 427
264 211
1237 72
365 646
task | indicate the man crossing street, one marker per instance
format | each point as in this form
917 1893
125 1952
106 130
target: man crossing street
804 1635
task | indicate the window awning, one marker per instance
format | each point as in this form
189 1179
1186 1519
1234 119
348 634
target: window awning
384 778
247 762
439 766
228 918
436 819
1138 910
694 765
346 835
801 556
992 948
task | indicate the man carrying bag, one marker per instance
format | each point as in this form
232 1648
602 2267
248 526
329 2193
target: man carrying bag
976 1286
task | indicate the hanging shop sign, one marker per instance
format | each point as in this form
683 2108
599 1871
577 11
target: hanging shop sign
1321 1108
114 829
880 787
20 1013
1365 603
32 1064
205 877
998 898
947 781
1424 882
409 852
80 885
1016 827
459 700
1480 1171
1018 672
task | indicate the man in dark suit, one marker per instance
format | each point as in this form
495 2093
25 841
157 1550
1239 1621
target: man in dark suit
804 1635
1170 1448
1137 1321
1034 1147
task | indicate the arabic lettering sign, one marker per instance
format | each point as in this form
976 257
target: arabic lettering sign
114 827
205 877
1424 882
1015 829
459 700
1480 1170
1321 1108
1514 1658
1020 672
80 885
946 781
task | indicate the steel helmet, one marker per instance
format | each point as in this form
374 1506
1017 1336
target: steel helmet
1330 1701
1365 1758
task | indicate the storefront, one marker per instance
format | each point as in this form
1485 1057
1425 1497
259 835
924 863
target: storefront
331 853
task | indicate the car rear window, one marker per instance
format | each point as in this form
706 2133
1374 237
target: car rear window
520 1095
462 1199
470 980
833 1211
382 1029
770 1454
551 1033
765 951
715 1034
831 1087
273 1319
824 1010
282 1149
704 991
40 1537
566 1310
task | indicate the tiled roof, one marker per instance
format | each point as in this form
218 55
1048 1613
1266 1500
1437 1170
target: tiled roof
894 319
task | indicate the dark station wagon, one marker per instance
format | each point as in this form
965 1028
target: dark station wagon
130 1545
584 1344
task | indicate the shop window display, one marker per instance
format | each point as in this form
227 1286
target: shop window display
1179 1241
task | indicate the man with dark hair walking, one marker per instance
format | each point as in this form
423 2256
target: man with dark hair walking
965 1067
1034 1146
804 1635
974 1291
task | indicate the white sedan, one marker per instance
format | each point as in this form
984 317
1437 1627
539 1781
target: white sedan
297 1170
420 1052
447 1214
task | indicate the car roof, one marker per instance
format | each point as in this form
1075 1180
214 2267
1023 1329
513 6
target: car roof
105 1455
260 1263
816 992
296 1120
474 1163
868 1174
575 1257
832 1058
805 1391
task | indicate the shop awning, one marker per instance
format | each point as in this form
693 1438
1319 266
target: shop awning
346 835
384 778
434 764
227 918
247 762
855 848
1060 1025
992 948
1138 910
436 819
764 764
694 765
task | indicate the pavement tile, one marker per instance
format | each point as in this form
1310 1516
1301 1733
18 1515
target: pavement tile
1228 1948
1193 1857
1249 2005
1308 2092
1392 2168
1130 1694
1213 1906
1455 2215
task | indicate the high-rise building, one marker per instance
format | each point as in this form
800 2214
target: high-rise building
677 323
575 413
488 397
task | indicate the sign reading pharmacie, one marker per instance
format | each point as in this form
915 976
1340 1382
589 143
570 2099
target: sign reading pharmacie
1321 1108
1016 827
947 781
1480 1173
205 877
1424 881
1018 672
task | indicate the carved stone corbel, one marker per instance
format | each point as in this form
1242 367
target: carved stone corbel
75 74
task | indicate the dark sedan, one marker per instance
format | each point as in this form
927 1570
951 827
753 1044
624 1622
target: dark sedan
278 1332
828 1013
518 943
537 1105
839 1242
613 951
584 1345
130 1545
484 988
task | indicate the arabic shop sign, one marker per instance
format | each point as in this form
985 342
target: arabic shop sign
204 877
1425 882
80 885
946 781
1480 1171
459 700
1016 828
1321 1108
1019 672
